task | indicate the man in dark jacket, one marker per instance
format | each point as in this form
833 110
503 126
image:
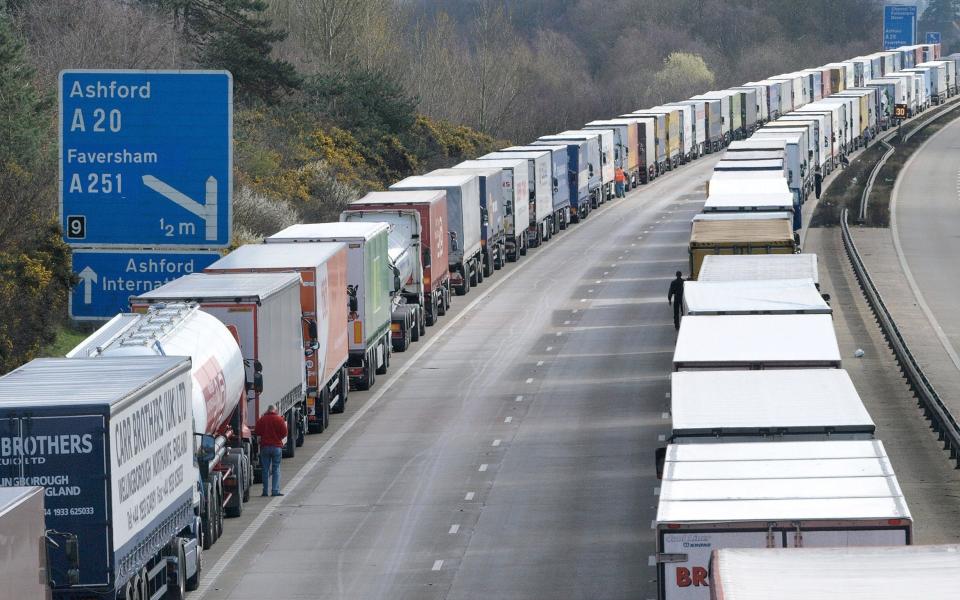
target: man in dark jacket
272 429
675 297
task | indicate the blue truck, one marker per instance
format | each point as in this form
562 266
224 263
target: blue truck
111 441
559 181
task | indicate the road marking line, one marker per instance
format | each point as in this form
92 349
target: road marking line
539 362
653 524
217 568
661 438
576 310
559 334
454 528
483 467
469 496
667 394
529 379
651 561
632 245
599 281
589 291
606 272
620 258
656 491
566 322
437 564
508 420
495 443
549 348
665 415
583 299
519 399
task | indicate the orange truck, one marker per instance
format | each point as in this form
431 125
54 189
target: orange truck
323 301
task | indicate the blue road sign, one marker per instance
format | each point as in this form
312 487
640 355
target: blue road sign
146 157
108 278
933 37
899 26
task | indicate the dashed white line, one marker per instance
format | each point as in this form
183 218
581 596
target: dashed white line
590 291
606 272
559 333
496 443
529 379
599 281
656 491
549 348
565 322
454 528
620 258
651 561
653 524
483 467
539 362
437 565
519 398
665 415
508 420
631 245
469 496
662 437
583 299
576 310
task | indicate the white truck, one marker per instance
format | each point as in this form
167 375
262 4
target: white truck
516 204
771 495
758 267
756 342
768 297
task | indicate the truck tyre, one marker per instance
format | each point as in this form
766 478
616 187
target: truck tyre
477 271
421 324
431 316
488 265
206 517
468 279
218 506
382 369
371 371
290 448
177 580
344 387
325 417
416 328
194 582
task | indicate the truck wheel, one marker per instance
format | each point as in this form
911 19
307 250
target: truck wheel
371 371
415 330
176 580
247 481
382 369
421 324
344 388
218 506
487 265
431 313
207 527
316 426
325 417
194 582
479 266
301 426
290 448
468 280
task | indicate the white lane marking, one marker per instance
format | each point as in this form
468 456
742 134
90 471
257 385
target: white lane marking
469 496
483 467
590 291
437 565
508 420
614 265
539 362
454 528
651 561
632 245
599 281
667 394
549 348
606 272
576 310
217 568
583 299
653 524
665 415
495 443
529 379
519 399
662 437
565 322
620 258
656 491
559 334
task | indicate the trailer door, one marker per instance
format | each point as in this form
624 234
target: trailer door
826 538
686 578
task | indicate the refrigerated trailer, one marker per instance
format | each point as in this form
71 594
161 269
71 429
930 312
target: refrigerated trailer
370 284
323 304
626 151
769 297
776 405
421 216
878 572
759 267
463 214
540 163
111 440
756 342
771 495
565 198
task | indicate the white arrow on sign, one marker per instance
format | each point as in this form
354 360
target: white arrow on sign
206 211
89 277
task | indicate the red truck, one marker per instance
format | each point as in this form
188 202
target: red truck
416 218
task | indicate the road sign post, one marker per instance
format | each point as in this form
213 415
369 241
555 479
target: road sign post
899 26
146 158
107 278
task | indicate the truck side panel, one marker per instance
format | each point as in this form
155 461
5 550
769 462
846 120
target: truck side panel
331 302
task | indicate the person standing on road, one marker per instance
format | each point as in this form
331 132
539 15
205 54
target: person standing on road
620 180
818 180
272 429
675 297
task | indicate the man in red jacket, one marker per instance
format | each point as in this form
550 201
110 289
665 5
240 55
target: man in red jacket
272 429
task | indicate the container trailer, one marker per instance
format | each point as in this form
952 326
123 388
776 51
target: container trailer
323 303
878 572
601 142
753 155
111 440
516 199
594 156
797 151
577 174
756 342
626 151
463 214
656 142
493 235
771 495
789 405
758 106
821 123
756 236
765 164
688 130
540 163
370 291
713 117
24 574
262 311
698 117
419 218
667 134
778 296
759 267
218 405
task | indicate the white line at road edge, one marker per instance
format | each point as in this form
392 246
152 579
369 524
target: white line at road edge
213 573
941 335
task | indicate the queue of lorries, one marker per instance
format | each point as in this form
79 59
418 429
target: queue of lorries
143 437
773 481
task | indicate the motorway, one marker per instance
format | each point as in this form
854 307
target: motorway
509 454
926 228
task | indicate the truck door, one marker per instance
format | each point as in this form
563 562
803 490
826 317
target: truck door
684 577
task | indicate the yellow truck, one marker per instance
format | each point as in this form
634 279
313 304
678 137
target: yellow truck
741 234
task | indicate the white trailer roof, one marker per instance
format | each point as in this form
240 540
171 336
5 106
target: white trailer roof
778 481
754 341
278 256
848 573
740 216
771 296
756 144
724 200
338 231
755 164
771 402
746 267
205 286
399 197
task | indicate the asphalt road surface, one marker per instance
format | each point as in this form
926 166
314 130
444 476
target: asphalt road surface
509 454
926 209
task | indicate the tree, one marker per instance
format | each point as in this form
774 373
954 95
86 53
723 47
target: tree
367 101
234 35
942 16
682 76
